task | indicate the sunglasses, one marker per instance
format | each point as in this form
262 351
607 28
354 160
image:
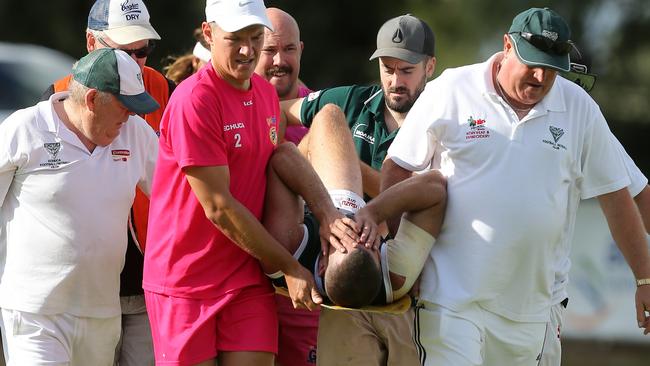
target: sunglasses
580 76
141 52
548 45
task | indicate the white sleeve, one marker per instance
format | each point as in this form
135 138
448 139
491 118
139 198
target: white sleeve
414 145
7 164
602 165
150 154
638 180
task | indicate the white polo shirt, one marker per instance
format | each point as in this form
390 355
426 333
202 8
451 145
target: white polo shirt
638 183
512 186
64 212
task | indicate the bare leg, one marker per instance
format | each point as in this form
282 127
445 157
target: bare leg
329 148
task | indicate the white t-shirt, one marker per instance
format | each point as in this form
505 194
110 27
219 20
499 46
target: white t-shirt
638 183
512 186
64 212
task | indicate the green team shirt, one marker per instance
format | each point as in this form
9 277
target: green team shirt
364 109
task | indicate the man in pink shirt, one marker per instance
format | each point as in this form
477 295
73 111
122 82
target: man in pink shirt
280 63
206 294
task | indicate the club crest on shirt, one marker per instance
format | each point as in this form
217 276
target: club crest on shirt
477 129
273 130
53 149
121 154
313 95
557 134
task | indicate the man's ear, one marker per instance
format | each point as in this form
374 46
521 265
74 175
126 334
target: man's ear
430 67
90 42
507 43
89 99
322 265
207 32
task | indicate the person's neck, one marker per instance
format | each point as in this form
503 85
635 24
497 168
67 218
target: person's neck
520 109
292 94
393 119
70 115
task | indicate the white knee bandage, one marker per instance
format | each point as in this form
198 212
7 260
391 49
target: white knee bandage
407 254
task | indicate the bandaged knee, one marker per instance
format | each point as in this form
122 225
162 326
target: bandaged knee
407 253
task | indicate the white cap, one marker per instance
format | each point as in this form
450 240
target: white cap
201 52
233 15
123 21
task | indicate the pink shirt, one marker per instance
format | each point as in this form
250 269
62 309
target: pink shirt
296 133
207 123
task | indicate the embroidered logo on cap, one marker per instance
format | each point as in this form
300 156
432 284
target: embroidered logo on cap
397 36
130 11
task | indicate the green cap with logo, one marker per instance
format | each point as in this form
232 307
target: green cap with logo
542 38
114 71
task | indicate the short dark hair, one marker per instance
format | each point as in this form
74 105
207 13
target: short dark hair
355 281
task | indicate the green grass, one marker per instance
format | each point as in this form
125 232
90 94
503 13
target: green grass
598 353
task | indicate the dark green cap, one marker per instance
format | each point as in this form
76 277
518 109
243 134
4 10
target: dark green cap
114 71
541 38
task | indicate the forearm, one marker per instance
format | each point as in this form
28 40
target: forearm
370 178
642 201
239 225
391 174
627 230
415 193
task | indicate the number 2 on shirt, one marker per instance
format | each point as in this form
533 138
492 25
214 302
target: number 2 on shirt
238 140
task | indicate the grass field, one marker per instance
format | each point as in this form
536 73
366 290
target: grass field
590 353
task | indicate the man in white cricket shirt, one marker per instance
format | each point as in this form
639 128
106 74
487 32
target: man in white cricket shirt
68 171
520 148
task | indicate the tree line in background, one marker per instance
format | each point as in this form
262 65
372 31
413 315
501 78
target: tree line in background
339 36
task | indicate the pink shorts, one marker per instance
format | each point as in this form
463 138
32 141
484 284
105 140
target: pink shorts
298 334
189 331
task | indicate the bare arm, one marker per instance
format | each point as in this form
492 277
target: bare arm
643 203
371 180
415 193
211 187
627 230
391 174
289 114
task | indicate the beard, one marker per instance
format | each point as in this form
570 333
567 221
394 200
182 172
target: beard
406 100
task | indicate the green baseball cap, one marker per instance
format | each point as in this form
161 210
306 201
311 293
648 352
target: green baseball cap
114 71
541 38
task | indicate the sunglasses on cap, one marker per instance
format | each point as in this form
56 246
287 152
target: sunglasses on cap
580 75
141 52
548 45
